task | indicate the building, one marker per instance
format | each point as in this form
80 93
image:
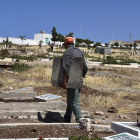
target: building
42 36
137 41
122 43
103 50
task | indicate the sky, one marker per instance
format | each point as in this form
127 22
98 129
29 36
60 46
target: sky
101 20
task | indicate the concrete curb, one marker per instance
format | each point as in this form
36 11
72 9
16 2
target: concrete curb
101 127
98 128
39 124
20 106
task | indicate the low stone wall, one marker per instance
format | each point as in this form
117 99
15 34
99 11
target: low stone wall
124 66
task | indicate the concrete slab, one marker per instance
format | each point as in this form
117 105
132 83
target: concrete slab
121 127
33 113
21 90
122 136
20 106
8 94
18 98
49 97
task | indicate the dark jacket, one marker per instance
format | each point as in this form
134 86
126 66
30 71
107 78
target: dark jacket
67 56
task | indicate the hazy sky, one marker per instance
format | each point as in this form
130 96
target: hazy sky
97 17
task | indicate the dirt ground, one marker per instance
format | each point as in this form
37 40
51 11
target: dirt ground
47 132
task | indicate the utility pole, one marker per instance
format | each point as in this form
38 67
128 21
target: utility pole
112 36
130 38
81 31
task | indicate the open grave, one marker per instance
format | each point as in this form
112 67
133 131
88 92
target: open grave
130 127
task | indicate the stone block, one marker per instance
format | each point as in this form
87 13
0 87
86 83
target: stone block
75 73
40 106
84 123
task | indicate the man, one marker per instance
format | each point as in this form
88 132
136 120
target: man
52 46
72 94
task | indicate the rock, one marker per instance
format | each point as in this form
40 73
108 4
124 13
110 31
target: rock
112 110
99 113
11 88
123 116
96 122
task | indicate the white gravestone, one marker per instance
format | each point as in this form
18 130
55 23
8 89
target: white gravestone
26 89
21 90
49 97
122 136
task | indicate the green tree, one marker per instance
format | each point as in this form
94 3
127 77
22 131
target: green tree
54 34
135 45
116 44
60 37
88 42
70 34
22 38
4 53
7 42
106 44
97 44
78 40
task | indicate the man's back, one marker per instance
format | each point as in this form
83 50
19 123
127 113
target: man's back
67 56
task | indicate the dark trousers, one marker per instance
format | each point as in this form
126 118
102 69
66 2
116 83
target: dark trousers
52 48
73 105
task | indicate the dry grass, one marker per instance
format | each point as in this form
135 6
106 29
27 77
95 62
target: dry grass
103 81
40 73
36 76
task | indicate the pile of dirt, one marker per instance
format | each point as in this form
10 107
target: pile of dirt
12 100
59 91
47 132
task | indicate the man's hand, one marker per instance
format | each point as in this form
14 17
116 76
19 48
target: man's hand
64 85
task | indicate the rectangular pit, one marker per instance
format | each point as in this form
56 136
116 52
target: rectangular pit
121 127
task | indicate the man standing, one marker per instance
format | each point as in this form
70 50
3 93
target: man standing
72 94
52 46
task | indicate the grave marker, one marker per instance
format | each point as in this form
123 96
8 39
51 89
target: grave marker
122 136
21 90
75 73
49 97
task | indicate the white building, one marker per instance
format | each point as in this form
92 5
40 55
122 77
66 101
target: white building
42 36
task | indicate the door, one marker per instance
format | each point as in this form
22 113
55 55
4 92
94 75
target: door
46 40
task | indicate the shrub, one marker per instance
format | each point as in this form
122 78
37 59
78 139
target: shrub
19 68
23 57
4 53
23 50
